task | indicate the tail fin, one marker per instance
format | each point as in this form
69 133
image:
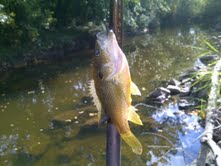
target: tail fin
133 142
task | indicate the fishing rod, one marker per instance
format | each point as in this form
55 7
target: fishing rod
116 19
113 140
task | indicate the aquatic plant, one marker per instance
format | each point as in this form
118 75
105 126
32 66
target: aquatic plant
202 78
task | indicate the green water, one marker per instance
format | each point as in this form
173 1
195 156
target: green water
43 109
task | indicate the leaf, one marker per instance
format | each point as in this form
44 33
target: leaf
12 14
210 46
204 53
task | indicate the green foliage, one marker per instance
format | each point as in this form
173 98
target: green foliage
23 21
96 10
203 77
210 46
212 11
202 108
189 8
139 14
5 18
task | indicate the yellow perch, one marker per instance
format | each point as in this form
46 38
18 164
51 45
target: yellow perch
111 88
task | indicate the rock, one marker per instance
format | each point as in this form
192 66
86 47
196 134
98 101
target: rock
219 144
175 90
174 82
159 91
187 74
198 65
204 92
207 59
162 98
185 89
216 117
160 94
90 24
184 104
186 80
198 92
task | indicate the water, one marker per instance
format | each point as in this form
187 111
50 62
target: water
46 117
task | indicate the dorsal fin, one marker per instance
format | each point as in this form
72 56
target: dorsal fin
133 116
134 89
93 94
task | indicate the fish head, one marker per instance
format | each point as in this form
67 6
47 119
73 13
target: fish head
108 56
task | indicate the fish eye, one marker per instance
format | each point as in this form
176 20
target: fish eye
97 52
100 75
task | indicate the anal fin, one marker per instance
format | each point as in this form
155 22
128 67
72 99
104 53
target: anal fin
133 116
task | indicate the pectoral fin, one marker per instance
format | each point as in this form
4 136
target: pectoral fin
133 116
134 89
93 94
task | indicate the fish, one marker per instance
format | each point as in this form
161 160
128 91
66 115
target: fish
111 88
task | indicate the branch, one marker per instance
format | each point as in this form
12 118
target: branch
207 139
216 150
171 143
146 105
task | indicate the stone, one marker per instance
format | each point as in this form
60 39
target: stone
207 59
186 80
90 24
174 82
159 91
160 94
185 89
184 104
175 90
162 98
202 93
187 74
198 65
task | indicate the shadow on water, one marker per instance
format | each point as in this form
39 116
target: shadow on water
47 118
26 79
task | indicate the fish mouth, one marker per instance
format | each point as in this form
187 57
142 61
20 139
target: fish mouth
107 41
102 38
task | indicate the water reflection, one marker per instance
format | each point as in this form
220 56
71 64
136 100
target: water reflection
47 118
8 144
187 129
